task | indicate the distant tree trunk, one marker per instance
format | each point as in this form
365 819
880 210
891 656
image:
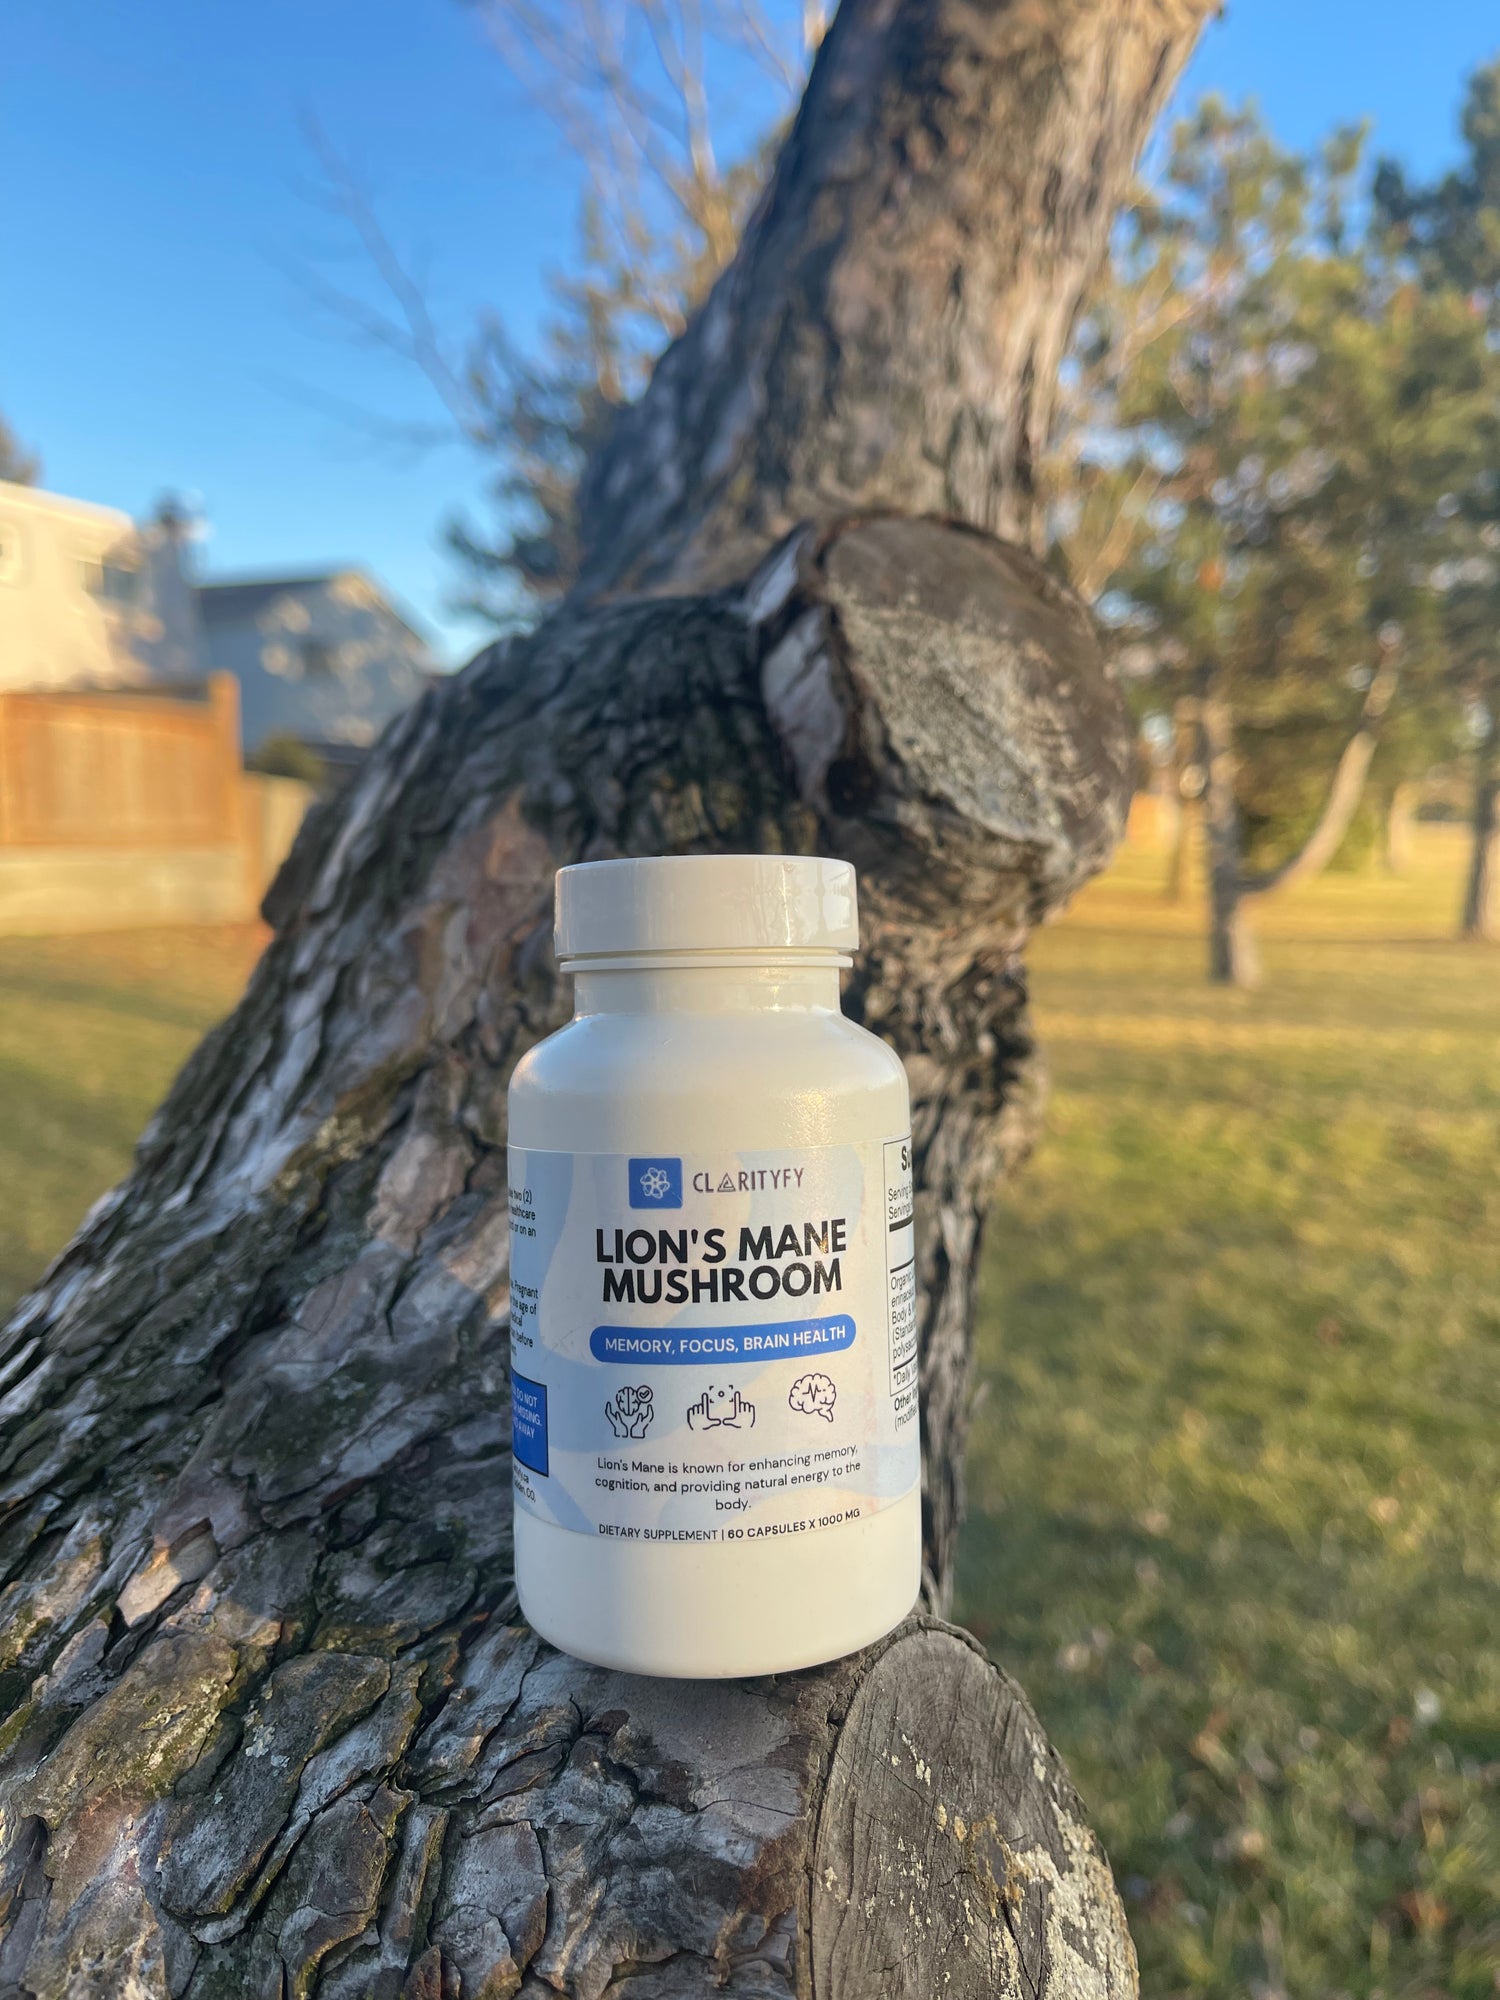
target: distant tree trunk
273 1727
1187 764
1481 915
1232 956
1345 790
1400 819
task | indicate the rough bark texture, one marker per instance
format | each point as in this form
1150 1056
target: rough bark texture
272 1727
892 329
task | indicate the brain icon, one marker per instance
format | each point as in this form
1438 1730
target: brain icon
654 1183
814 1396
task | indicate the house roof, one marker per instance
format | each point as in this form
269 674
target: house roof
229 602
241 598
34 499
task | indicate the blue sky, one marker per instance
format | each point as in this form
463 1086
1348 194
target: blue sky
155 173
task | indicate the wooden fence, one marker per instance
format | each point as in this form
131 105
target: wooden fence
120 767
121 807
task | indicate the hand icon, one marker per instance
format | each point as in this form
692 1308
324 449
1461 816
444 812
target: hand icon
739 1410
630 1412
721 1409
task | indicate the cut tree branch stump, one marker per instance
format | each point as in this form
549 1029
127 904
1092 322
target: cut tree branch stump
271 1725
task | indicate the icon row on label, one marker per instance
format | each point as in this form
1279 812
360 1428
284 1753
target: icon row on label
631 1410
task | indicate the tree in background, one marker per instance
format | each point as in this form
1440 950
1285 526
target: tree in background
1271 447
1448 233
1266 480
1475 673
17 464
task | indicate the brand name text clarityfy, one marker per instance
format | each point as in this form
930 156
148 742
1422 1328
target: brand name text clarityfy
745 1180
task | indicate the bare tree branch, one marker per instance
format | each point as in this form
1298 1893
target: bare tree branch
745 26
410 332
628 85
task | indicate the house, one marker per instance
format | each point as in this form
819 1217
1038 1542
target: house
73 593
123 793
91 599
326 658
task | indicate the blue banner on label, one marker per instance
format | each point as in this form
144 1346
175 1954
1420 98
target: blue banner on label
528 1423
792 1339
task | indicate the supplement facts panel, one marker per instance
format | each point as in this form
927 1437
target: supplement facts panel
900 1265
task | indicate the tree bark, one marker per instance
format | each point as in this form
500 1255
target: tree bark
273 1728
1481 912
891 331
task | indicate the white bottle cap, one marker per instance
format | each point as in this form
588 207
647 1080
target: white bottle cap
706 902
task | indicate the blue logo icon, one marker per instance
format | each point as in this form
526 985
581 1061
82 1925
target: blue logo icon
656 1183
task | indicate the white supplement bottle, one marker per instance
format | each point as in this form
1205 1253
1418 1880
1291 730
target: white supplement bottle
713 1304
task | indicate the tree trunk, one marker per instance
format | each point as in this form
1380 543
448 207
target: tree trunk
1187 764
891 331
1481 915
1232 956
1345 790
273 1728
1400 819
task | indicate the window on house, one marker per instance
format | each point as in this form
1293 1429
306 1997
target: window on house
119 583
318 659
114 583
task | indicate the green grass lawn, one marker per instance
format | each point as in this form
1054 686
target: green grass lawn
92 1031
1235 1480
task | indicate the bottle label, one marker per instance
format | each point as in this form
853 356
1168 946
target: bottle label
713 1348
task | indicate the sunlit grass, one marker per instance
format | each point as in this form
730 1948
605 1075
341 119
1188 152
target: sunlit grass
1235 1484
92 1031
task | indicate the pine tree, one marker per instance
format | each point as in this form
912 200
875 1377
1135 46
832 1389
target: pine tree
1449 235
1280 467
